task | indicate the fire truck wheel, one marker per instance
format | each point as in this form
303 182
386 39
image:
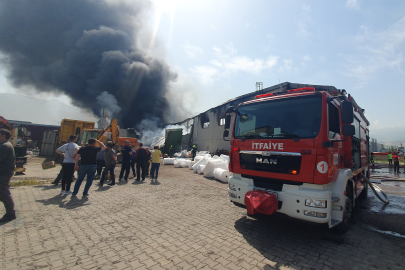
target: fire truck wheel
343 227
364 192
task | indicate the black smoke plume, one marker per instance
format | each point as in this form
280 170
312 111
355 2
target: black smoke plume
88 50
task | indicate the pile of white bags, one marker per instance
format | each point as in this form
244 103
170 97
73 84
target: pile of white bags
216 166
181 163
184 163
201 153
213 164
202 161
185 154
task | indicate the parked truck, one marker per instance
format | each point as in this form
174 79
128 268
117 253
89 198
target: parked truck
73 127
306 146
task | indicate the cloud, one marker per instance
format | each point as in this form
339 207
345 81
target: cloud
192 51
353 4
287 66
204 73
306 8
248 65
302 30
304 23
228 62
377 51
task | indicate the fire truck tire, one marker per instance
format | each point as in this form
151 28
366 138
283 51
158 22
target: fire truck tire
379 193
343 227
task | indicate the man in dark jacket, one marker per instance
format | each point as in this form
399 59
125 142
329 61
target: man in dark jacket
7 164
126 153
142 157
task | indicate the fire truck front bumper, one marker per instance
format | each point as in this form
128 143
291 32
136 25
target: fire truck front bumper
307 202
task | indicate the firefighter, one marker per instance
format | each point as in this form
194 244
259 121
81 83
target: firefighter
372 158
390 159
171 151
193 152
396 162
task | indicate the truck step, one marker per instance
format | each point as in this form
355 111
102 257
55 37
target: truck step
334 222
335 199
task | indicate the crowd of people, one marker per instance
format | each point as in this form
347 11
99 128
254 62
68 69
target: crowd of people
98 162
392 157
90 161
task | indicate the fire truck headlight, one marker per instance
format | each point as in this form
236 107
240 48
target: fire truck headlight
232 187
315 203
315 214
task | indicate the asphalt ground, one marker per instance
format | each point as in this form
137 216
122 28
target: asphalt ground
186 221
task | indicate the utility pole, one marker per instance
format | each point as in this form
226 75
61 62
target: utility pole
259 86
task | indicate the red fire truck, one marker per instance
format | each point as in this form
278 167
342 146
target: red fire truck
305 145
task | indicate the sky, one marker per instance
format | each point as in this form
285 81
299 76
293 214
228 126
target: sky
221 48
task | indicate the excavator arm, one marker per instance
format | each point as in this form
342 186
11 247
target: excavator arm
115 132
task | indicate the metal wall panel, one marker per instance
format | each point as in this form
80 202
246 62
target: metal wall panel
49 142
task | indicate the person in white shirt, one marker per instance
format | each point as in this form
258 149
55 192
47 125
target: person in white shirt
68 151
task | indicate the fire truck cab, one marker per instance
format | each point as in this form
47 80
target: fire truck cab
307 145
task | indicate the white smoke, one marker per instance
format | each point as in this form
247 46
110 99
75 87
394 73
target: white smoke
152 134
108 101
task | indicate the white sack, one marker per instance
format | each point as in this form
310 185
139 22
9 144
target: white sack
225 159
176 154
168 161
203 161
197 158
215 157
211 165
184 163
190 165
221 175
200 169
184 154
177 162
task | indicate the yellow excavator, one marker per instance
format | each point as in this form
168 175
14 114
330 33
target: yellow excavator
109 133
85 131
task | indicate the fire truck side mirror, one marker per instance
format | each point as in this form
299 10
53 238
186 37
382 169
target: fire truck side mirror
227 121
347 112
348 130
226 133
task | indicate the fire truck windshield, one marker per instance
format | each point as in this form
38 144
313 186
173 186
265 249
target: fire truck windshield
295 117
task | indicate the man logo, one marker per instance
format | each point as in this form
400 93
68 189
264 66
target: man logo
266 161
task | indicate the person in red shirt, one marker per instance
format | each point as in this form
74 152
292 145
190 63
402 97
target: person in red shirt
395 157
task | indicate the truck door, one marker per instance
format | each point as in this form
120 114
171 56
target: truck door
336 152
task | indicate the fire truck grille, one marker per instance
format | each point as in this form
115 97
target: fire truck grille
274 163
270 183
